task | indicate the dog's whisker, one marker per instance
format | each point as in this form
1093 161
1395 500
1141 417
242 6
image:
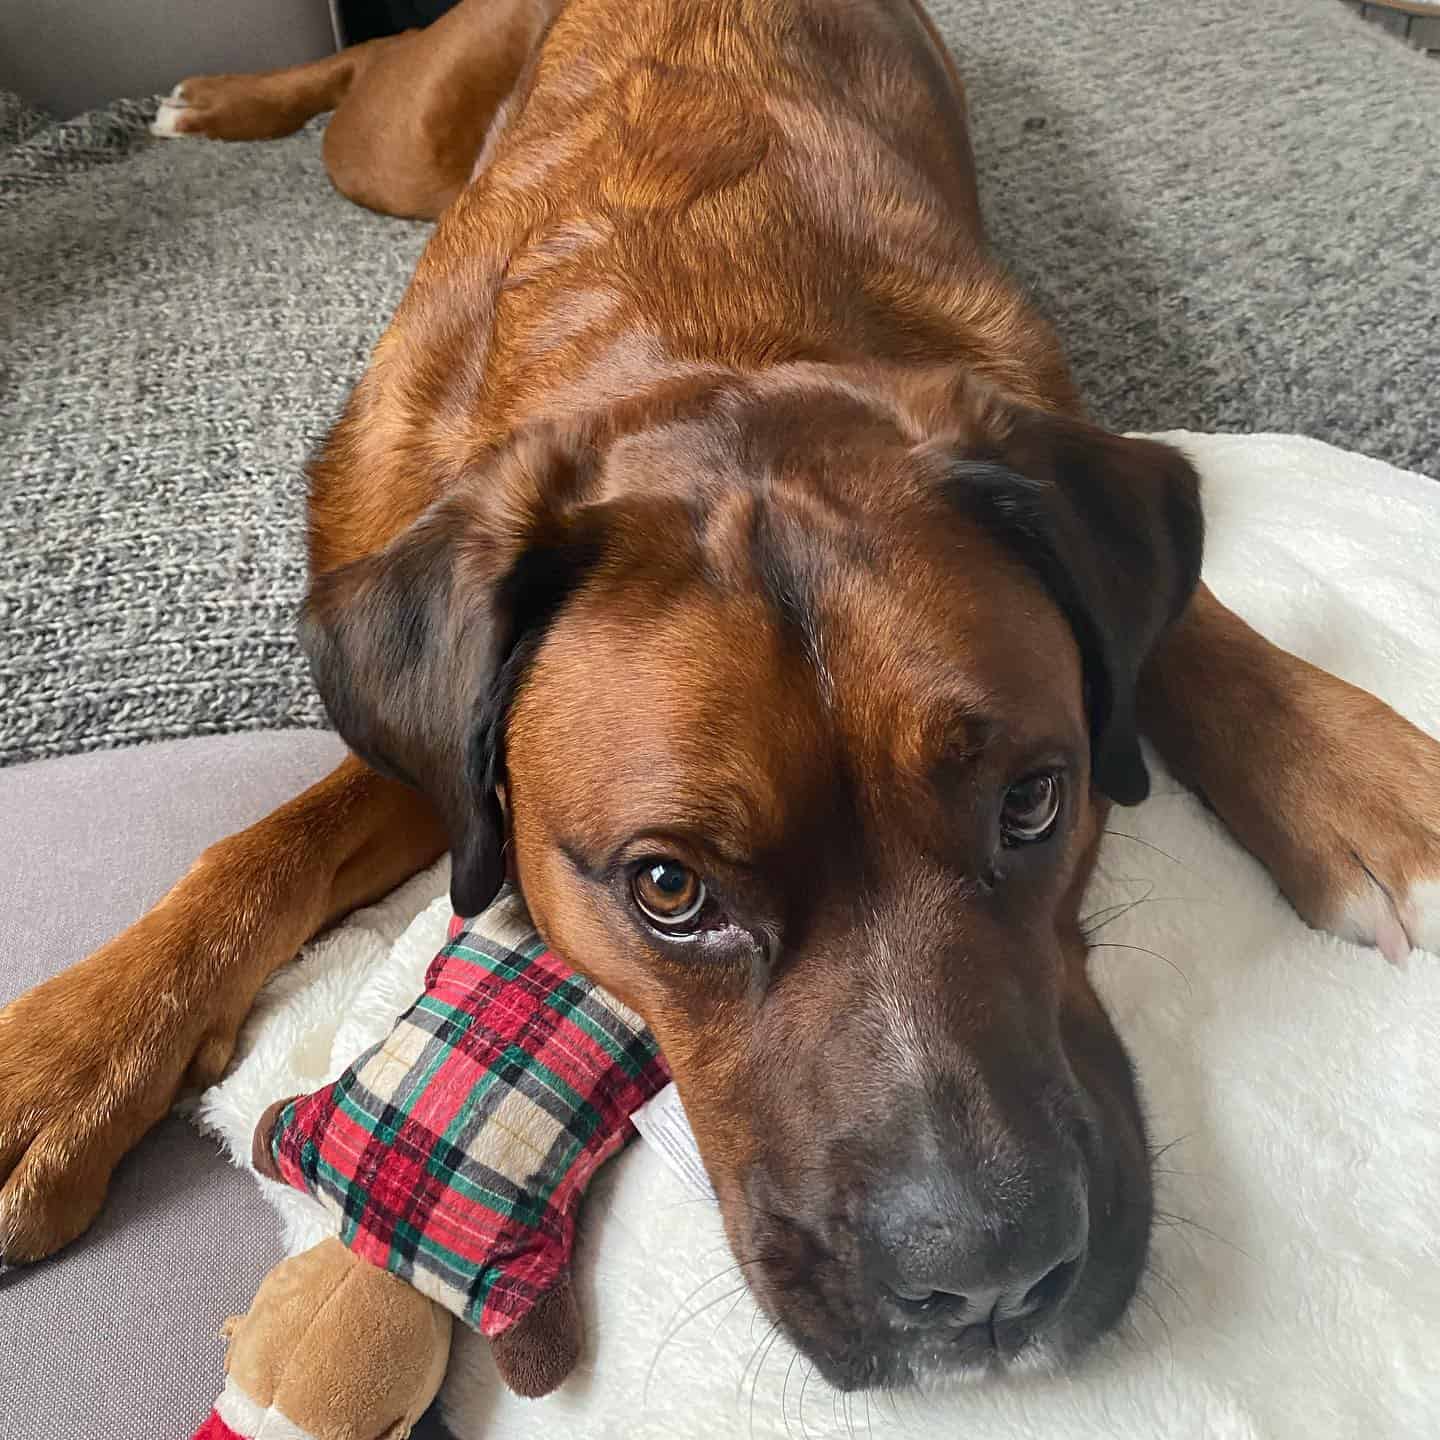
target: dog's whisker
676 1329
1093 923
805 1380
785 1389
1171 1218
1144 950
767 1344
1160 1151
709 1280
1106 913
691 1200
1154 1309
1136 839
682 1317
750 1360
1127 1333
1154 1272
742 1294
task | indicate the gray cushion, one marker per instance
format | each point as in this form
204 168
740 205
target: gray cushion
117 1336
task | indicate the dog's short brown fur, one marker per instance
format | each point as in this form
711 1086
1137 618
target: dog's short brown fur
714 496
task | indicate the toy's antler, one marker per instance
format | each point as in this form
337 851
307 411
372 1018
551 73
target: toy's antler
540 1349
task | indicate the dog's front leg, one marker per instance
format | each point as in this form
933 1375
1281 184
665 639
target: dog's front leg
1333 791
91 1059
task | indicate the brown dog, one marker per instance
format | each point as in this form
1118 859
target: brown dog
716 528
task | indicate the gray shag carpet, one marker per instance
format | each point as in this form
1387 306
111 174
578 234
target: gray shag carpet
1230 207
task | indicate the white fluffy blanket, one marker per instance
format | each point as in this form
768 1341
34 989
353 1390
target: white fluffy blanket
1295 1289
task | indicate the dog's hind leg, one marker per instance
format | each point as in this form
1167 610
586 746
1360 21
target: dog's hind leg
264 106
411 111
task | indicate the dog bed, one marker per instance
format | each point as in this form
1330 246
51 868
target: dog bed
1295 1281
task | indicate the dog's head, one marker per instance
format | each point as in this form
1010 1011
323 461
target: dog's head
805 710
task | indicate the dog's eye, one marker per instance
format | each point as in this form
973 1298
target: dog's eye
1031 808
670 895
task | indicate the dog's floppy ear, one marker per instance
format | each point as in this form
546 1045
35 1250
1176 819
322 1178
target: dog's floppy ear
1113 527
417 649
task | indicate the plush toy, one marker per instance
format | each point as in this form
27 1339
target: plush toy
333 1348
453 1156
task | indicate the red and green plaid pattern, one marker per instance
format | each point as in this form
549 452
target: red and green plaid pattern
456 1151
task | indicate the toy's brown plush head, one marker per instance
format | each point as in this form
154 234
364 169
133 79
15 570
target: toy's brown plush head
331 1346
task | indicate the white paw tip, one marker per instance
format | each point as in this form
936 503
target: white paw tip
165 123
1374 918
1423 921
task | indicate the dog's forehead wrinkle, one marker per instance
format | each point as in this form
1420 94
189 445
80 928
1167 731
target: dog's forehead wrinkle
841 589
850 596
722 517
706 449
863 610
790 576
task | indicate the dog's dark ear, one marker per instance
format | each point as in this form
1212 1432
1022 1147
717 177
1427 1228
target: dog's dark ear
417 649
1113 527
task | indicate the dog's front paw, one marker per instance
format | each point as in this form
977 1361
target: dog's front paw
89 1061
1360 818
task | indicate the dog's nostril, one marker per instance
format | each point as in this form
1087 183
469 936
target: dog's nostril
1049 1288
927 1304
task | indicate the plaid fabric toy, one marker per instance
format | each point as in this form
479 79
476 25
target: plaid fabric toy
455 1152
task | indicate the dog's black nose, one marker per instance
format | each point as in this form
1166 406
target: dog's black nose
957 1249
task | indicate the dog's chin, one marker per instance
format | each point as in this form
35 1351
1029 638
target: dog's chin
934 1364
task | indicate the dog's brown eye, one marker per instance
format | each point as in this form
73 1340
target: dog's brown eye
670 895
1031 808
